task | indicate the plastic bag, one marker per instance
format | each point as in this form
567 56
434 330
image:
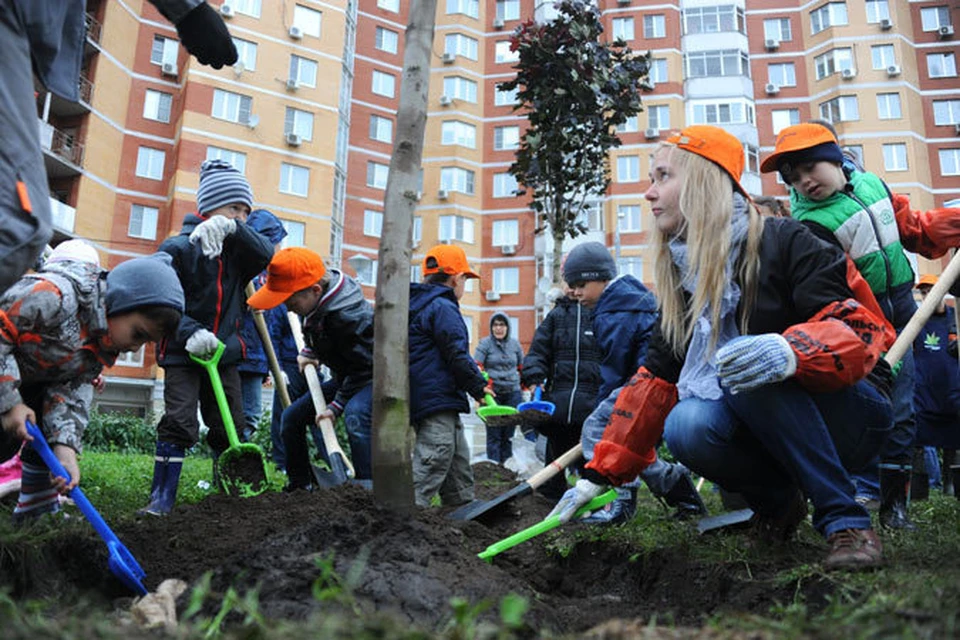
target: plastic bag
524 461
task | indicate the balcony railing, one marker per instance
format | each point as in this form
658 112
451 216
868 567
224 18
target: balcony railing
94 29
62 215
60 144
86 90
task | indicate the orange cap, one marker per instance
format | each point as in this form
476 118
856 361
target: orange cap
716 145
927 279
289 271
447 258
796 138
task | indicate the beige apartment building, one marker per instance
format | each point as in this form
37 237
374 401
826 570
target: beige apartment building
308 114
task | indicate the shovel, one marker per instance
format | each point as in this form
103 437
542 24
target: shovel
551 522
121 562
536 412
243 469
479 507
495 415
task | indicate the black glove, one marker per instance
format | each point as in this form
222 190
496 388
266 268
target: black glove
206 37
881 377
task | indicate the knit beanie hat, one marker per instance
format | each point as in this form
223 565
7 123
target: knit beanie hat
143 282
829 151
220 185
76 250
589 262
267 225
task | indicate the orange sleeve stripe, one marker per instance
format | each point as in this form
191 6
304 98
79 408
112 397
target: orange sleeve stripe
8 331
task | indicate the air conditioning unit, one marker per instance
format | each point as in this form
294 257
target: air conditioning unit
508 249
293 139
771 44
443 194
956 128
498 23
886 23
771 89
169 69
449 58
847 74
893 70
296 32
292 84
945 31
445 101
651 133
492 296
226 11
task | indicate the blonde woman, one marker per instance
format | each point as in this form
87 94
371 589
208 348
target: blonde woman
764 374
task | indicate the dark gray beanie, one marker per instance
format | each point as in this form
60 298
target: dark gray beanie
220 185
588 262
144 282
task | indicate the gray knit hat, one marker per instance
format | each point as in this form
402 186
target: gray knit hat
144 282
588 262
220 185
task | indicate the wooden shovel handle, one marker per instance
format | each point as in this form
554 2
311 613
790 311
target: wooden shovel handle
278 382
555 467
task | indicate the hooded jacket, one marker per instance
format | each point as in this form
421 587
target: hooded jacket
501 359
213 288
255 358
441 368
936 396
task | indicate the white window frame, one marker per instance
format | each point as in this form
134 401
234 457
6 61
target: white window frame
296 233
659 70
932 18
654 26
717 63
393 6
460 44
505 98
505 232
303 70
250 8
246 53
469 8
381 129
658 117
236 159
947 63
416 231
310 21
146 219
290 176
706 20
888 106
735 111
232 107
372 223
508 9
895 156
454 227
377 174
782 74
300 122
840 109
630 125
882 56
629 218
832 14
623 29
946 112
631 265
383 84
164 50
458 179
156 104
504 185
628 168
387 40
506 280
150 163
773 29
833 61
949 161
503 54
506 138
783 118
458 133
460 88
877 10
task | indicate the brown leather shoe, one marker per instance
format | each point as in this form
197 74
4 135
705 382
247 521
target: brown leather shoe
854 549
767 530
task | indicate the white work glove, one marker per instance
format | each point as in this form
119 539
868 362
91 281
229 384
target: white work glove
211 233
748 362
582 493
202 342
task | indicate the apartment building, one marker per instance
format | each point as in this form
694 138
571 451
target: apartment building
309 115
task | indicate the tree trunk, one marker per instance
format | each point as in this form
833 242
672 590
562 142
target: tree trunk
392 436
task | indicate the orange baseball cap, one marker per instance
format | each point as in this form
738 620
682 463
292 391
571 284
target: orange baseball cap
927 279
716 145
447 258
797 138
289 271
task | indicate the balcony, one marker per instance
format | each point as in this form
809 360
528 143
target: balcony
62 154
94 31
65 108
63 216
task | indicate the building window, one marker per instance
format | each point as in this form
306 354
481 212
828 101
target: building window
150 163
296 233
294 179
304 71
888 106
416 231
384 84
628 169
231 106
706 64
877 10
658 117
782 74
591 216
389 5
623 29
506 138
752 155
504 185
156 105
461 45
932 18
721 19
842 109
377 175
506 280
501 98
946 112
236 159
455 228
783 118
630 125
366 271
895 157
941 65
308 20
457 179
387 40
655 26
454 132
508 9
632 266
658 70
299 122
466 7
832 14
246 7
460 88
502 52
856 150
833 61
949 162
246 54
506 232
882 56
131 358
164 50
381 129
143 222
628 218
778 29
737 112
372 223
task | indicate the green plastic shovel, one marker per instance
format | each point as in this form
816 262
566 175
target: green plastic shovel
495 415
242 467
543 526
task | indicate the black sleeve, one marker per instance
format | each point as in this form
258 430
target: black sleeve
822 232
817 269
538 363
661 361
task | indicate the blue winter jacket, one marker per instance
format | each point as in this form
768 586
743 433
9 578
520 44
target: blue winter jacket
255 358
623 320
278 324
441 368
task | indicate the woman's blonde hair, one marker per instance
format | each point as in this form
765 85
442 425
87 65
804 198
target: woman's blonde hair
706 205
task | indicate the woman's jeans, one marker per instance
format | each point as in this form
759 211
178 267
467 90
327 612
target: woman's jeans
767 443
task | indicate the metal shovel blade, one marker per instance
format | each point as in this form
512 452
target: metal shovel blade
730 519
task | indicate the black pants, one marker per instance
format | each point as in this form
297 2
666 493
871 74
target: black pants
559 441
185 386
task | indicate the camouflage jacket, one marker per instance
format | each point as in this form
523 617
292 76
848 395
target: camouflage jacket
50 328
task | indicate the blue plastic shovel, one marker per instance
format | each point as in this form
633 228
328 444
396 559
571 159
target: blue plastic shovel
121 561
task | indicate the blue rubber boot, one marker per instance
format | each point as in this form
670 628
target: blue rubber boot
166 478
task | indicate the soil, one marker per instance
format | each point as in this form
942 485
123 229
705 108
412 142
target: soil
242 470
408 566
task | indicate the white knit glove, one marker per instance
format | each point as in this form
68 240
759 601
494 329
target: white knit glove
202 342
748 362
582 493
211 233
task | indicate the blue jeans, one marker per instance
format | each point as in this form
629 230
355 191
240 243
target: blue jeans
768 442
251 390
296 387
499 447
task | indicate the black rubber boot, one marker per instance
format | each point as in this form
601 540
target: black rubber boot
685 499
920 477
894 496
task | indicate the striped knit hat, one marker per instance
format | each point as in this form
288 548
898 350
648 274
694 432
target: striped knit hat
220 185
